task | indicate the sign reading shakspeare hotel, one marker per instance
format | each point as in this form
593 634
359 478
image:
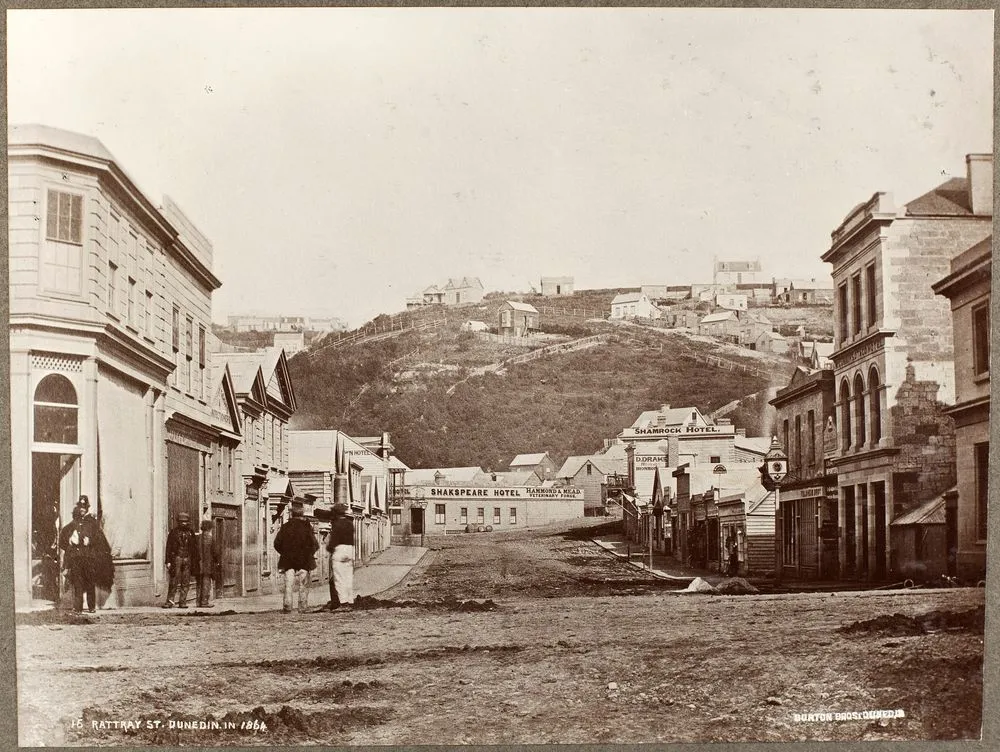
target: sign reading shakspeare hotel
496 492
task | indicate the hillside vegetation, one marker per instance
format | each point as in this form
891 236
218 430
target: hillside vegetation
565 404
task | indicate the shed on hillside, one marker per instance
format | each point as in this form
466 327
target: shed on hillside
517 319
557 285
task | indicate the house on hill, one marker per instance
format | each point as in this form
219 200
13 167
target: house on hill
557 285
540 462
456 291
731 301
803 291
517 319
771 342
722 325
736 272
630 305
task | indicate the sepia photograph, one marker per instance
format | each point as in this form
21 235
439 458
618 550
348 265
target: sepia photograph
397 376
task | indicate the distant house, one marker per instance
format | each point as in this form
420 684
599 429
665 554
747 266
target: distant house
517 319
290 342
630 305
674 319
666 292
753 325
731 301
756 291
591 474
455 291
474 326
540 462
816 355
803 291
771 342
736 272
721 324
557 285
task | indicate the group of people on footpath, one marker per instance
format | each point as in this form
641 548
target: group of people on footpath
197 556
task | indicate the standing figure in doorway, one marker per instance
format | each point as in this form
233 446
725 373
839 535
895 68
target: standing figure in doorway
341 548
733 551
296 546
88 556
209 563
182 560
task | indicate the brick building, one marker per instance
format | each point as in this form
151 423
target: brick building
893 357
807 506
968 288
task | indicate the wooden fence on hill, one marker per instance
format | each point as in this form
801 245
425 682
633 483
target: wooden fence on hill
377 332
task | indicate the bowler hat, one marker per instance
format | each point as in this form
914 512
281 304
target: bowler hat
183 516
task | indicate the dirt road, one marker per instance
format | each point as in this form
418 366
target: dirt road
573 647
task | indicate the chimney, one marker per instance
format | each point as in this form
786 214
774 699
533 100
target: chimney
979 168
630 455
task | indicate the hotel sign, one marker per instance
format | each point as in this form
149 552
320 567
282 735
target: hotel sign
495 492
683 431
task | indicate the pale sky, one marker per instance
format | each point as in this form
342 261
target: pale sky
341 160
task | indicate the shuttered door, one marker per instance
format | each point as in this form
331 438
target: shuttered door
228 532
251 545
182 483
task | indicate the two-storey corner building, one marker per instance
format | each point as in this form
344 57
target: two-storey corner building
968 288
266 401
806 524
110 302
893 357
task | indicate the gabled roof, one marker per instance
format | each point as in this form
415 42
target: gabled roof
928 513
627 297
528 459
518 306
754 444
261 374
951 198
673 416
317 451
247 377
510 477
425 475
601 463
224 399
714 318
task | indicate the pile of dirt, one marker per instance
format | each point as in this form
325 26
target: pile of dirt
699 585
736 586
899 625
367 603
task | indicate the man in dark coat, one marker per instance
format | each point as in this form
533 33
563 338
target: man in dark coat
209 563
341 547
182 560
296 545
88 556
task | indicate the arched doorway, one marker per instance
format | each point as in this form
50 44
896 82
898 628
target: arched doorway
55 478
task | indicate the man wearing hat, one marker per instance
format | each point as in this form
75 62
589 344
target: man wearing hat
88 556
296 546
341 548
182 560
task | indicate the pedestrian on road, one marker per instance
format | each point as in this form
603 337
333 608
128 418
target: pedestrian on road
182 560
88 556
341 548
732 547
297 546
209 563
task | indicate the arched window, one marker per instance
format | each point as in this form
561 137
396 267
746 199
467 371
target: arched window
859 399
875 404
845 415
55 407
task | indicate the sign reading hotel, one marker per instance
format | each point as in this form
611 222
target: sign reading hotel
496 492
681 431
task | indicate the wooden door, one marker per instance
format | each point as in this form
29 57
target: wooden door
228 534
183 488
251 545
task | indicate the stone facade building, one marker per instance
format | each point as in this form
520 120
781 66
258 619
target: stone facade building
893 357
968 288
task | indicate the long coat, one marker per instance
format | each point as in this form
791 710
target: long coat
297 545
88 554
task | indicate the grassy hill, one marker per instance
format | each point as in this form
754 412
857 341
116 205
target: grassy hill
564 404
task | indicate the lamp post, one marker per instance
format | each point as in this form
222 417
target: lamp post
772 472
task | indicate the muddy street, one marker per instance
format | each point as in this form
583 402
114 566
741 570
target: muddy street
574 646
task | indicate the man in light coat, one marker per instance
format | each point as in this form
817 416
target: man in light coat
341 548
